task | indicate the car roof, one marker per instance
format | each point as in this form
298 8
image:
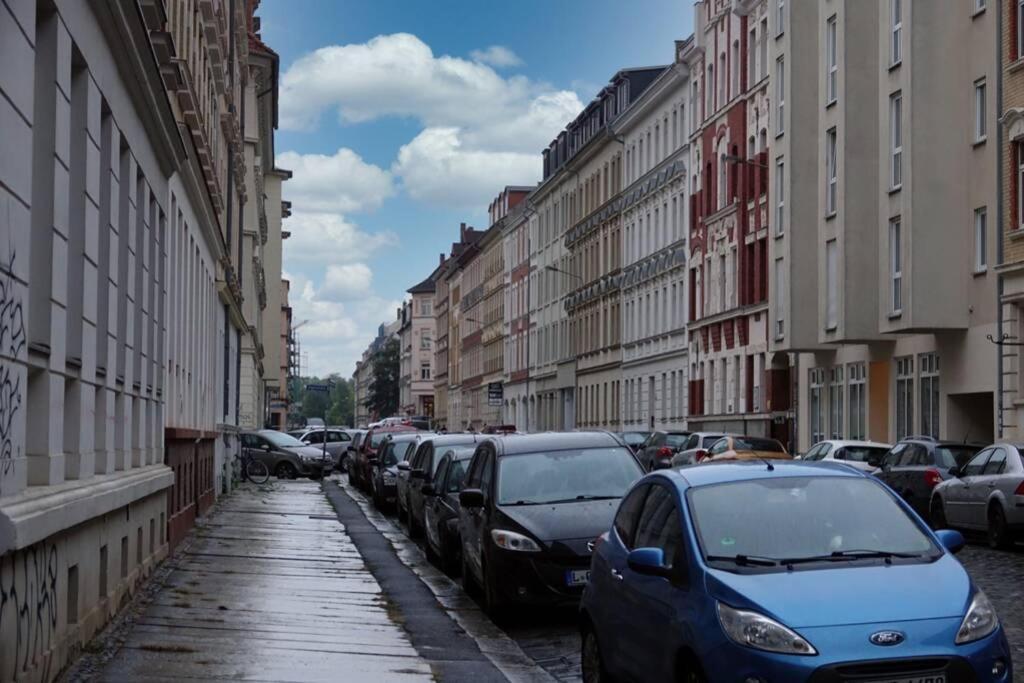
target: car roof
402 437
461 452
853 442
724 471
553 441
454 439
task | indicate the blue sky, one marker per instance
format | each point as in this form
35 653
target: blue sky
400 119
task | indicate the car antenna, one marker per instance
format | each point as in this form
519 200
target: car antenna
771 467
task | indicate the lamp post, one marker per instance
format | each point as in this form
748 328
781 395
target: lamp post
733 159
553 269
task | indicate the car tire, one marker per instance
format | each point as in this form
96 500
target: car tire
286 470
998 534
938 515
591 659
343 464
688 670
450 557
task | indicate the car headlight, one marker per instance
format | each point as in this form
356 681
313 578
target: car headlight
388 476
755 630
510 540
980 621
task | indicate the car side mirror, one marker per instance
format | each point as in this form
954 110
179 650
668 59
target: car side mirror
404 466
428 490
874 462
700 455
267 447
471 498
951 540
417 474
649 562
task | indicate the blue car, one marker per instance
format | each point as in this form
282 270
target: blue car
782 573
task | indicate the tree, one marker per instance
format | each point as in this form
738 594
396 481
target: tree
337 405
382 394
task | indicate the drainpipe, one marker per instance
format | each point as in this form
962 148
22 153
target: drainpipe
999 220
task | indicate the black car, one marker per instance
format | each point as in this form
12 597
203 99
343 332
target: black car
441 508
531 506
917 464
419 471
660 447
384 478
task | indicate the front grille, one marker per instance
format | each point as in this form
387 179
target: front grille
955 669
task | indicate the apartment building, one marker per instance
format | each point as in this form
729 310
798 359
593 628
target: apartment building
655 214
279 405
440 370
419 346
516 368
880 264
734 384
1010 220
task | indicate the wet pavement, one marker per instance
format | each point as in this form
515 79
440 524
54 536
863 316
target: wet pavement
271 588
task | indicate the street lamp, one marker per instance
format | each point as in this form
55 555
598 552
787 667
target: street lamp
733 159
553 269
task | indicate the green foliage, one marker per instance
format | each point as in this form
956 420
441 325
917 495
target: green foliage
337 405
382 395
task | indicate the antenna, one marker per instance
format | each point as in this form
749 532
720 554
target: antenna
771 467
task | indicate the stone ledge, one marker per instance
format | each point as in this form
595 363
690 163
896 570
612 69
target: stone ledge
39 512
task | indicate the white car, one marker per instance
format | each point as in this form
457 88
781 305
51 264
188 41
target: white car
858 454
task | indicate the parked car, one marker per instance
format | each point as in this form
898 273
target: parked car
635 440
359 471
729 572
530 507
746 448
696 448
338 441
395 449
986 494
659 448
284 455
853 453
441 508
916 465
420 470
353 447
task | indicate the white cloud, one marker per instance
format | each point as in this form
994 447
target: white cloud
346 282
436 168
497 55
321 238
340 183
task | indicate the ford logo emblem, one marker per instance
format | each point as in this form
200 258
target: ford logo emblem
887 638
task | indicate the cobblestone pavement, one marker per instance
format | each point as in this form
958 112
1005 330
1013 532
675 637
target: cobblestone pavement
1000 573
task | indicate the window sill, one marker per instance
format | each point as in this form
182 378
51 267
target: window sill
978 272
779 235
895 188
831 103
896 315
831 329
979 11
979 141
831 215
1016 65
1016 235
895 65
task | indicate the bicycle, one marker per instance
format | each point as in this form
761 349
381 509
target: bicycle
252 469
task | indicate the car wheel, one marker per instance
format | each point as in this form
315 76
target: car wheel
688 670
998 534
468 581
286 470
591 661
494 605
432 556
343 464
450 556
414 529
938 515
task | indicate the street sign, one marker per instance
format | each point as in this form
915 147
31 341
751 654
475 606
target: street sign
322 388
495 394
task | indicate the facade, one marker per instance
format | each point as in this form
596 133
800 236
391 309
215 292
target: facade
363 376
440 369
404 356
420 400
279 404
735 384
1010 221
655 214
880 274
481 334
516 366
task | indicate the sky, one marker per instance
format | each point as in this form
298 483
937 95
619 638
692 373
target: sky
401 119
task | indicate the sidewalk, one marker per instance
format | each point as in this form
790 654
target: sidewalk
272 589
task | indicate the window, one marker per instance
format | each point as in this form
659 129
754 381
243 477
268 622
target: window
980 127
904 396
896 140
426 308
929 364
752 58
817 408
780 17
425 371
1020 29
1020 179
980 240
895 266
835 402
832 285
831 61
997 463
709 91
780 300
629 512
780 95
896 23
831 172
425 341
857 400
659 525
780 194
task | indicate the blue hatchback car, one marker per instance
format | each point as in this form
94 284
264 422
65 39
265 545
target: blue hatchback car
782 573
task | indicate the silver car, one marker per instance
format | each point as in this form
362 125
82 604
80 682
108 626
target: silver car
986 494
338 441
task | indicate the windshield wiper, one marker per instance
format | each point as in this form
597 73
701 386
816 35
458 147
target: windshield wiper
850 555
744 560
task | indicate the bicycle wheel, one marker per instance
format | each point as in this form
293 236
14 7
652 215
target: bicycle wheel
257 472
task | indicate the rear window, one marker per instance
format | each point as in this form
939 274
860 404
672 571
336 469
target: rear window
709 441
746 443
676 440
456 473
949 456
376 439
861 453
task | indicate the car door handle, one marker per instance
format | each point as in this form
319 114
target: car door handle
617 575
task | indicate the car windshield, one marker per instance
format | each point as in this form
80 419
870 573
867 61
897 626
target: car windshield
565 476
456 474
634 438
800 517
281 440
746 443
950 456
709 441
861 453
675 440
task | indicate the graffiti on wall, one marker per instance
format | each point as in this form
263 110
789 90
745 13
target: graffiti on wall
12 343
28 598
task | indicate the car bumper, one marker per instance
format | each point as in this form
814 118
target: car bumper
537 578
845 654
388 492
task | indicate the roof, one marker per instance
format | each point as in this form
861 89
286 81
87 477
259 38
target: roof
854 442
725 471
426 287
515 444
454 439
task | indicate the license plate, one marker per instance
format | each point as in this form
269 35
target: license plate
577 577
934 678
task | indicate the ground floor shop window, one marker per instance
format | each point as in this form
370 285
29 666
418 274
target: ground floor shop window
835 401
857 387
904 397
929 367
816 405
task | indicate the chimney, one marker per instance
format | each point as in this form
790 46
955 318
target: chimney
441 260
462 232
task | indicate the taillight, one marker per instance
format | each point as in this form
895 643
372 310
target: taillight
700 455
932 478
1020 489
664 452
